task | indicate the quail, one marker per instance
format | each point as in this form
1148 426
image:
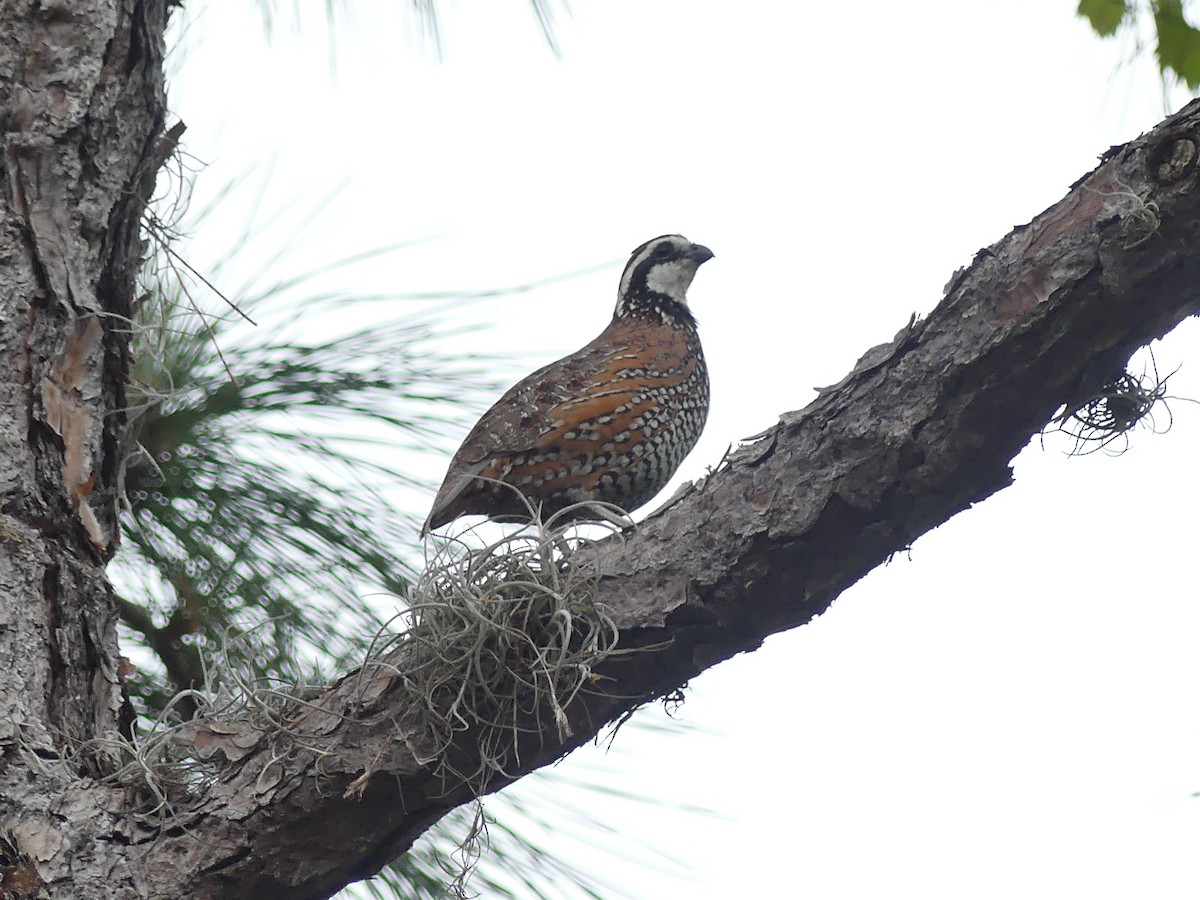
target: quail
611 422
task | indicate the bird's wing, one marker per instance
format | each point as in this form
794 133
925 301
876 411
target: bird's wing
561 392
536 407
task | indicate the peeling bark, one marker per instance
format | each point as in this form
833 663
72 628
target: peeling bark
81 105
923 427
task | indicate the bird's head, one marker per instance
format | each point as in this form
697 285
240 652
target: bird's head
657 276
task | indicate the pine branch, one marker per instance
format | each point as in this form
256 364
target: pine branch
921 429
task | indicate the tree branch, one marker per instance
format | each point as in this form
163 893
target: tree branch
185 670
921 429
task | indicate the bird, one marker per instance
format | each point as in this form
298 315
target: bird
611 422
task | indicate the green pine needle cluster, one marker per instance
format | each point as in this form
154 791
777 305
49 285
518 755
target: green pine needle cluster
252 477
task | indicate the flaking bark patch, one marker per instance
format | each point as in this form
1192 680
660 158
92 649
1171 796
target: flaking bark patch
70 409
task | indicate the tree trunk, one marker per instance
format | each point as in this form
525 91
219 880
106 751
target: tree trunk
921 429
81 94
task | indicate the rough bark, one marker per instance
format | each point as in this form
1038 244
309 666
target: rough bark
81 104
921 429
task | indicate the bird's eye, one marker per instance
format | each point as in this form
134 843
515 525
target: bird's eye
662 251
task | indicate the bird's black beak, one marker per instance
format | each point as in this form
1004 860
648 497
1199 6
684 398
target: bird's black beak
700 253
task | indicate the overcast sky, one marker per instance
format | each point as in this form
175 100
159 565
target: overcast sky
1011 711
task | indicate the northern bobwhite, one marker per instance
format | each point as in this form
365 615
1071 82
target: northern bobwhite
611 422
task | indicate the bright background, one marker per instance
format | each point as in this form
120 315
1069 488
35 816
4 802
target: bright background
1009 712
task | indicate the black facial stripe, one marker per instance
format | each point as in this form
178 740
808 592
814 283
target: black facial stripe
636 252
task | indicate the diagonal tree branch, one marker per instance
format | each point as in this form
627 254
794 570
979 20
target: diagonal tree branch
921 429
301 797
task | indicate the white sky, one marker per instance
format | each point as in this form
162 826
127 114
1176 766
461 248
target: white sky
1009 713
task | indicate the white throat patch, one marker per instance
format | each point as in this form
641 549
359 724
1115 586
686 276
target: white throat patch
672 278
